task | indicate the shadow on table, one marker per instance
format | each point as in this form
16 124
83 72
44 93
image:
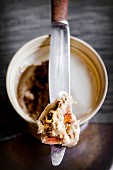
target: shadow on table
11 124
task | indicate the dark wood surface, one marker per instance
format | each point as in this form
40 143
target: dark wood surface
94 152
21 21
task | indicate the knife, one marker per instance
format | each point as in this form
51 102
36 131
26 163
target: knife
59 62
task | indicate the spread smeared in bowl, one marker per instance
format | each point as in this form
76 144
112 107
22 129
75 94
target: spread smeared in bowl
33 91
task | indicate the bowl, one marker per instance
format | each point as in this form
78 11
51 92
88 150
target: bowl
89 80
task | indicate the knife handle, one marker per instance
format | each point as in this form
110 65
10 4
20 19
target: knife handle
59 10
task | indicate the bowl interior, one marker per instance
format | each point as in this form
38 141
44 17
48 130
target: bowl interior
88 75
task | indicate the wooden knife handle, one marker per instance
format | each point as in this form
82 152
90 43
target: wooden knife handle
59 10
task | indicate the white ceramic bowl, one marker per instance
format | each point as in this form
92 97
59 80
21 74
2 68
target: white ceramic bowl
88 75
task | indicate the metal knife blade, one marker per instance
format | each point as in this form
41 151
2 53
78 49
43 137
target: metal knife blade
59 73
59 63
57 154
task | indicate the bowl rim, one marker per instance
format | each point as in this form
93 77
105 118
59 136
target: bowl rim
21 112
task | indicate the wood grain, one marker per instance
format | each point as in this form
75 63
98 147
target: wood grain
23 20
59 10
91 21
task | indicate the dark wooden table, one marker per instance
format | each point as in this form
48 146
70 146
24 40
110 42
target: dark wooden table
23 20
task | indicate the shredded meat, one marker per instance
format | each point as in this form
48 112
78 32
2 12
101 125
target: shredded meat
57 124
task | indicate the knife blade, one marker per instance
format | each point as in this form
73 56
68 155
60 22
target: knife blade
59 63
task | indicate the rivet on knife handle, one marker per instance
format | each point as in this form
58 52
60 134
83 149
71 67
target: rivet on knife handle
59 10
